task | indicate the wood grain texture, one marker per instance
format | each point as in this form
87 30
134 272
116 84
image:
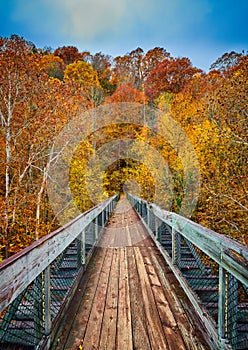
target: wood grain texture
130 303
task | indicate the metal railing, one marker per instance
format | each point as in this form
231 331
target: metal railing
211 268
37 284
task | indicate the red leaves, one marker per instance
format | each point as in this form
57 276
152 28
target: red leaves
170 75
125 93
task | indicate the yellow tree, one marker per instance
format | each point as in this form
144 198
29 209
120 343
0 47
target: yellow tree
82 73
85 79
229 113
213 111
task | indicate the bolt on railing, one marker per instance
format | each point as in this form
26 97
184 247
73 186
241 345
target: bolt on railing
211 268
37 284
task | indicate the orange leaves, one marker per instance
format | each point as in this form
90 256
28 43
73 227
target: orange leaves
134 67
53 66
38 108
125 93
211 108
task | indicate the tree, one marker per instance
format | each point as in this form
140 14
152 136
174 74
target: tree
53 65
227 60
213 111
230 103
135 66
16 67
68 54
33 109
85 79
82 73
102 65
152 58
128 69
125 93
170 75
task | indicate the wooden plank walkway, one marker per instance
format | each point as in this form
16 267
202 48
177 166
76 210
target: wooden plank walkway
128 298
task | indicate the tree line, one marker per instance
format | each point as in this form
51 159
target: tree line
42 90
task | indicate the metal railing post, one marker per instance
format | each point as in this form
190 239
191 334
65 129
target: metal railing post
107 213
83 246
227 307
148 216
102 218
39 307
47 286
156 228
222 303
96 233
176 247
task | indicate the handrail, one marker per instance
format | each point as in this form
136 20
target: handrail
32 267
17 272
212 269
218 246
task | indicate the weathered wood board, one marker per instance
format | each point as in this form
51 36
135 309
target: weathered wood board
129 299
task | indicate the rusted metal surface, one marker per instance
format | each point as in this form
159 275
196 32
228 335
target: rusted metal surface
129 298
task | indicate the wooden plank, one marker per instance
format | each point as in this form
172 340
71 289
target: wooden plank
108 332
108 237
171 330
149 311
155 329
146 239
209 325
93 330
133 220
139 322
72 330
117 233
128 233
124 325
192 337
123 242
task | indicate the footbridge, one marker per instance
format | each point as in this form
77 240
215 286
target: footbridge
126 275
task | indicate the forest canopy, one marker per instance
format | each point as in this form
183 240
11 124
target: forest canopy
43 90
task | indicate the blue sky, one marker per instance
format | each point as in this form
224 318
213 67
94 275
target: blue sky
199 29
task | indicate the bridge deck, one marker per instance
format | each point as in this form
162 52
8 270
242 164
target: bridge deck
128 298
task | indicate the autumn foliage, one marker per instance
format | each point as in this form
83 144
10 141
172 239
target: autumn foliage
42 91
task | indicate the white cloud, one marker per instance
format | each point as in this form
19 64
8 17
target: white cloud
74 19
89 18
113 26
